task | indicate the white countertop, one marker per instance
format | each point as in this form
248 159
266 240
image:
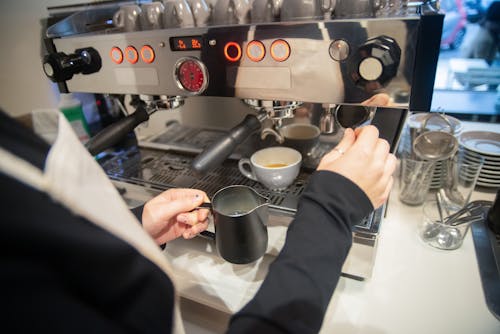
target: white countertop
414 288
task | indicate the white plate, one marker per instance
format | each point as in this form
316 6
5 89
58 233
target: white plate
489 168
471 154
486 179
483 142
486 163
488 184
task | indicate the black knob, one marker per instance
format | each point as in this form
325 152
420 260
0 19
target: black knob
493 217
60 67
375 63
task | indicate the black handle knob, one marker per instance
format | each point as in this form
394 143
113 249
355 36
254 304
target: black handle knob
216 153
115 132
61 67
375 63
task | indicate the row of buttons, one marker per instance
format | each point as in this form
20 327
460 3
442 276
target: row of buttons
131 55
256 51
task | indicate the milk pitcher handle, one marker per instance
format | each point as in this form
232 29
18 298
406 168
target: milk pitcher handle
206 234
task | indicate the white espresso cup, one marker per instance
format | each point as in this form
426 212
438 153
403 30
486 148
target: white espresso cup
201 12
177 14
127 18
231 12
152 15
275 167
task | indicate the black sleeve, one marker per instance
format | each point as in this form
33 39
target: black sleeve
137 211
295 294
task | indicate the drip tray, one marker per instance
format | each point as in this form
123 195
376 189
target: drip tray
163 170
142 173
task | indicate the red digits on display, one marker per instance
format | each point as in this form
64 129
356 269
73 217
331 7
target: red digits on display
195 44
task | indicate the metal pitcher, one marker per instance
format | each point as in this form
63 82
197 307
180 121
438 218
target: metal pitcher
240 217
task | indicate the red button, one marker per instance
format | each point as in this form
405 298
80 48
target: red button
116 55
147 54
131 54
256 51
280 50
232 51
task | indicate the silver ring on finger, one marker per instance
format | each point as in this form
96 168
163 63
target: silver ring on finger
341 152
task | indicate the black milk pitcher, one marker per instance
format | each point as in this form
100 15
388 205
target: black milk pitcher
240 217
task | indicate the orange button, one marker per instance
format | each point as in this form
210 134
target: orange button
147 54
280 50
131 54
116 55
232 51
256 51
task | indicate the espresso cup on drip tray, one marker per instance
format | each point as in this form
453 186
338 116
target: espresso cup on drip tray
275 167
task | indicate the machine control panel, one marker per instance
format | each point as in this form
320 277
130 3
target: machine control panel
336 61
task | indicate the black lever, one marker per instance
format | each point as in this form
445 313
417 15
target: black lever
493 217
216 153
115 132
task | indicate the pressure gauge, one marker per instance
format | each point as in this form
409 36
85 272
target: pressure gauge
191 75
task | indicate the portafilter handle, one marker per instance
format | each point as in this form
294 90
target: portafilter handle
115 132
221 149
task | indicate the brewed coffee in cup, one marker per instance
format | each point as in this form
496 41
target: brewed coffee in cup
275 167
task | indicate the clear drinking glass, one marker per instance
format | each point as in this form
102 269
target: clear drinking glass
461 174
435 232
415 180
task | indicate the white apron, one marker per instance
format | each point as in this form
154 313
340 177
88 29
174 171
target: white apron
74 179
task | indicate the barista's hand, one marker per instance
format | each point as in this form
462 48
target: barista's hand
168 215
378 100
364 158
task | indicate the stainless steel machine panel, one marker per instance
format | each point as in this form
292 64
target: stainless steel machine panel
334 61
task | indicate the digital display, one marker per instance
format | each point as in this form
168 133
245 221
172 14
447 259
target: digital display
186 43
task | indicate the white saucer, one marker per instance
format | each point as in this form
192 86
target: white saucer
483 142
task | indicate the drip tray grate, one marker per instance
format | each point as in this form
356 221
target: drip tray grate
166 169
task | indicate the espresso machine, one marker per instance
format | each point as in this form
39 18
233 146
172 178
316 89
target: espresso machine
231 79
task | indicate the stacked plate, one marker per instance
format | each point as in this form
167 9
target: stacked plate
477 145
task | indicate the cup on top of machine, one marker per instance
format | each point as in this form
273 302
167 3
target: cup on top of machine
349 9
296 10
201 12
177 14
275 167
152 15
127 18
231 12
263 11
